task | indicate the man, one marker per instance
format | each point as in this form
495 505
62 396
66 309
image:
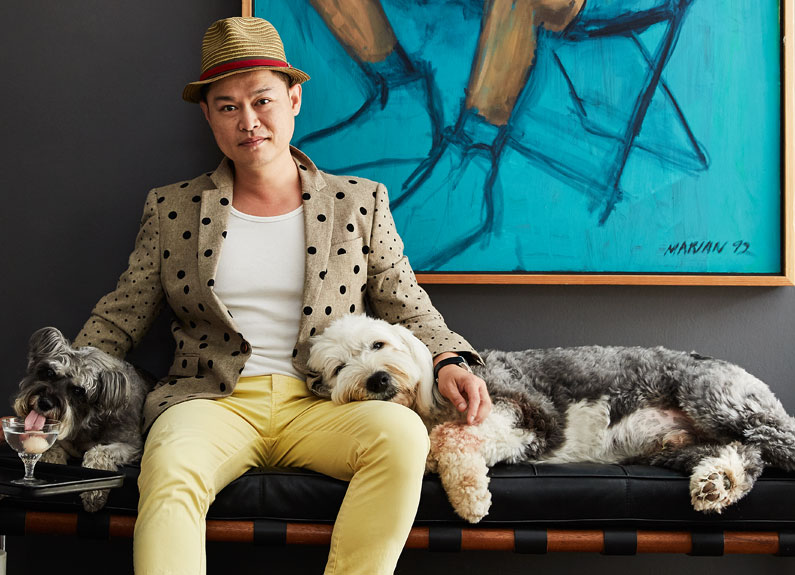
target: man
254 259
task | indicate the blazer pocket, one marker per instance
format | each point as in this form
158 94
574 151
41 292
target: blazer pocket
344 245
184 366
348 263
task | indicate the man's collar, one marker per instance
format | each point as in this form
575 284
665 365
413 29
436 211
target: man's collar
311 176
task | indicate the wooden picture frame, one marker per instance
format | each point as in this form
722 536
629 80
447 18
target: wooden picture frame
775 252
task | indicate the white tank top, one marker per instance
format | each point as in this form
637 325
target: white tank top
260 279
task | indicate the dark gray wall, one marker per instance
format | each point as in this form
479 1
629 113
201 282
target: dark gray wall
91 118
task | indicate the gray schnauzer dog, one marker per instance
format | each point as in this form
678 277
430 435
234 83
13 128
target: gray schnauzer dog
98 399
702 416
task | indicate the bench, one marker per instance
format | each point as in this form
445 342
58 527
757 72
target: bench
537 508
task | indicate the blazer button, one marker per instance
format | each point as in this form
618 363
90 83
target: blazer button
245 347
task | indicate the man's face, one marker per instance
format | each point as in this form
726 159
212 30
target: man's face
252 116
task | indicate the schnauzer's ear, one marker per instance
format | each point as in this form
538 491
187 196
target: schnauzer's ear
114 388
45 342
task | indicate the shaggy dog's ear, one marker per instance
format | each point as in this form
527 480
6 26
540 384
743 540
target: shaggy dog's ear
314 380
45 342
427 394
114 388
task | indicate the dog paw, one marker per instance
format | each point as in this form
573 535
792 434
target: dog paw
455 450
95 500
467 488
466 481
56 454
711 493
472 507
720 481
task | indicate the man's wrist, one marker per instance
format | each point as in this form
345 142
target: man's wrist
453 359
443 355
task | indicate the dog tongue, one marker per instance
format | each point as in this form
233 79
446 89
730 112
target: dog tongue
34 421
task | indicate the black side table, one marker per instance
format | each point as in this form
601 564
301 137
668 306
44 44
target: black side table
58 480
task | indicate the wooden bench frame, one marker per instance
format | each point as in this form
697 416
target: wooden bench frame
445 538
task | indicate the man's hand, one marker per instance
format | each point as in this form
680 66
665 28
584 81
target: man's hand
465 390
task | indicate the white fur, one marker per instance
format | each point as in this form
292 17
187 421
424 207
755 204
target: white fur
502 440
401 354
457 456
586 433
719 481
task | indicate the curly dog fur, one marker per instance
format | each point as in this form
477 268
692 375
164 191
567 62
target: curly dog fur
97 398
703 416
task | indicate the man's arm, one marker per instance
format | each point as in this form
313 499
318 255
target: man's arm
120 319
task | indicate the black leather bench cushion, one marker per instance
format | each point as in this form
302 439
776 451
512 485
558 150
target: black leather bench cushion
543 495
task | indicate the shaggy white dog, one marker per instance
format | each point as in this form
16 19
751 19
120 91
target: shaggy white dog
706 417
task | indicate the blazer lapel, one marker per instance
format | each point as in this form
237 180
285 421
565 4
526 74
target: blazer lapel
318 227
215 206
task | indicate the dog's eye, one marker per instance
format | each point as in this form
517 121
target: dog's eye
77 391
46 372
378 345
338 369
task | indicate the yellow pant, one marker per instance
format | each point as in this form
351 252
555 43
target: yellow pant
197 447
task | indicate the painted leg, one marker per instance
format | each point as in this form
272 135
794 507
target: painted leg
506 51
452 201
621 118
398 120
605 18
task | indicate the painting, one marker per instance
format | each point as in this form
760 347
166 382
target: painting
559 141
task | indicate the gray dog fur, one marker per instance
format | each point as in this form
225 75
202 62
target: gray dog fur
98 399
705 417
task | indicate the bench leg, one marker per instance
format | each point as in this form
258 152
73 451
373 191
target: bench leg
2 555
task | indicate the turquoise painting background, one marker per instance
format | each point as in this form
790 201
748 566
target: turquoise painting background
698 192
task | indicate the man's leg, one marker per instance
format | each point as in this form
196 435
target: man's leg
380 448
193 450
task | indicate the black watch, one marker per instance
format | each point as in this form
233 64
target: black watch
457 360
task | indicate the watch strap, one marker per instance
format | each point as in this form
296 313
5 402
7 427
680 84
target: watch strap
455 360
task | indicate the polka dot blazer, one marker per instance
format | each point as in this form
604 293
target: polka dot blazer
353 255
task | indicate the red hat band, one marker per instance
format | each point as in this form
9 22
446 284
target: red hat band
239 64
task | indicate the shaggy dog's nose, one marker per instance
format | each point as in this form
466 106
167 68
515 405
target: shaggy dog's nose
378 382
45 403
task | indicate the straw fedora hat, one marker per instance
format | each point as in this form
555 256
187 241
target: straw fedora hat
236 45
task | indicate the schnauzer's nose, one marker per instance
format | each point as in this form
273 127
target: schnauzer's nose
45 403
378 382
